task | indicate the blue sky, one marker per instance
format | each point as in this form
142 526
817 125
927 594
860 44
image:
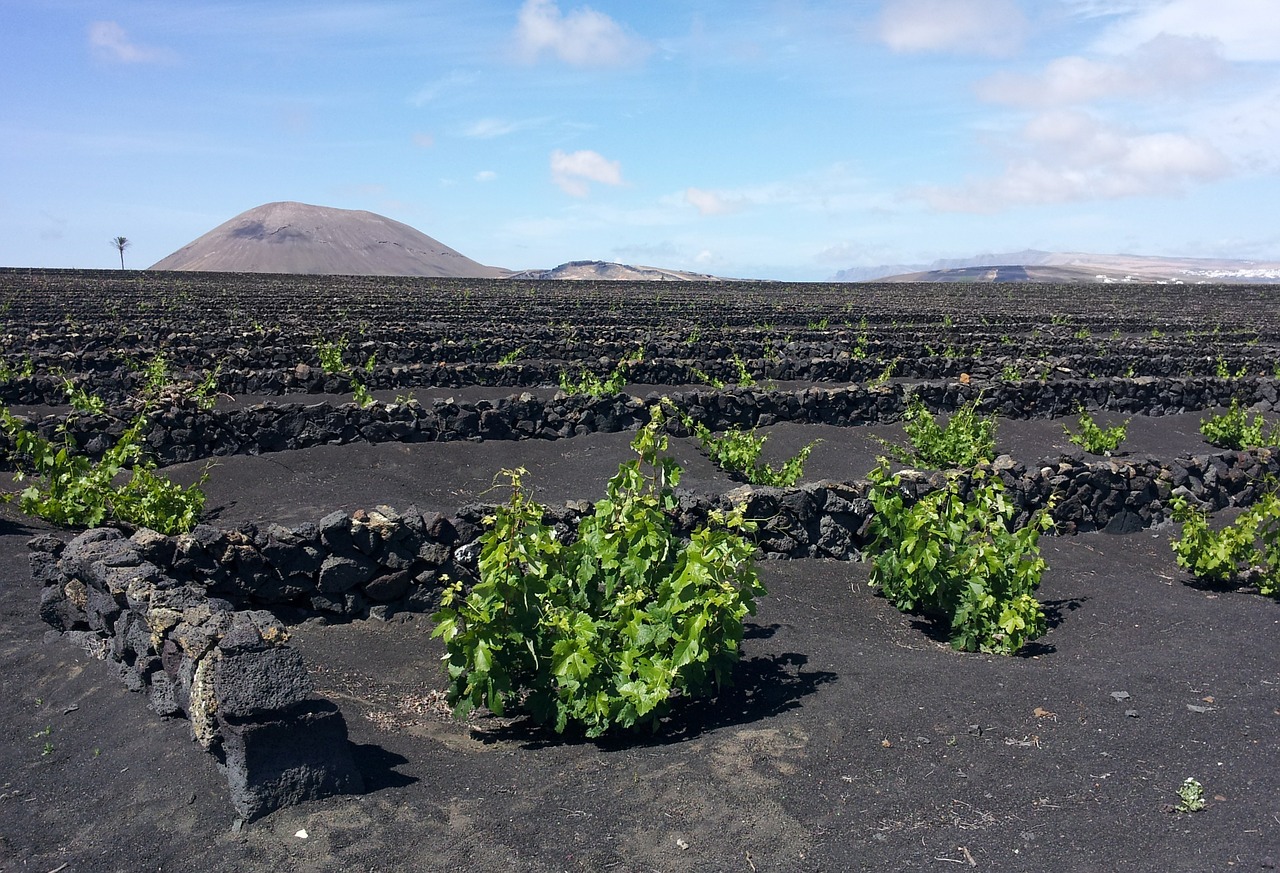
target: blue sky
781 140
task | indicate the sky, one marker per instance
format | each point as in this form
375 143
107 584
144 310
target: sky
776 139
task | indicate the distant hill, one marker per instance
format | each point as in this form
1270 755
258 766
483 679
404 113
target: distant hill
604 270
1038 266
292 237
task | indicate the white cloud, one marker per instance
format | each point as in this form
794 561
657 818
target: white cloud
1247 128
109 42
486 176
491 128
575 170
442 87
1071 156
711 203
1105 8
831 191
985 27
1248 30
1165 65
423 140
583 38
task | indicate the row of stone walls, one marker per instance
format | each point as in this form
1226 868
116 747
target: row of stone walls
104 375
186 433
380 561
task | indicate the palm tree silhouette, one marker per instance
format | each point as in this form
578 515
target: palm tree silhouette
121 243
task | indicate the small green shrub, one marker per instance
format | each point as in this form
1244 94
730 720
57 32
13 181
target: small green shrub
966 439
1190 795
25 370
956 557
205 392
152 501
863 342
359 391
590 384
602 633
155 374
70 489
885 375
737 452
330 353
1233 429
82 400
708 379
1222 371
1247 550
745 378
362 396
510 357
1097 440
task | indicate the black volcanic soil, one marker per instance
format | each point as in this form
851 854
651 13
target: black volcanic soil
852 739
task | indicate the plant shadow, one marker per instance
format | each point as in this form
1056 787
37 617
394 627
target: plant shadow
1055 610
760 632
763 686
1215 586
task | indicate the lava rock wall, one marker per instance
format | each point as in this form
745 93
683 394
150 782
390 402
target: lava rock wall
229 671
183 432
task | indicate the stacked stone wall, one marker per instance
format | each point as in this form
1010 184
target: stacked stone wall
183 432
227 669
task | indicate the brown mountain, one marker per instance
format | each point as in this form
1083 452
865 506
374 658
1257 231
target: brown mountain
298 238
608 271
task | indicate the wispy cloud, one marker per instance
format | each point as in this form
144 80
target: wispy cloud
1124 118
109 42
1248 30
1106 8
1069 156
486 176
491 128
443 87
1246 128
574 171
831 190
1167 65
582 38
712 203
983 27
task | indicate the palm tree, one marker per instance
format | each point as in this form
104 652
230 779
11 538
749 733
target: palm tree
121 243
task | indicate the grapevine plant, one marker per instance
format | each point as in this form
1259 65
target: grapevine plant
737 452
1246 550
963 441
1095 439
1233 429
70 489
591 385
606 631
955 556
